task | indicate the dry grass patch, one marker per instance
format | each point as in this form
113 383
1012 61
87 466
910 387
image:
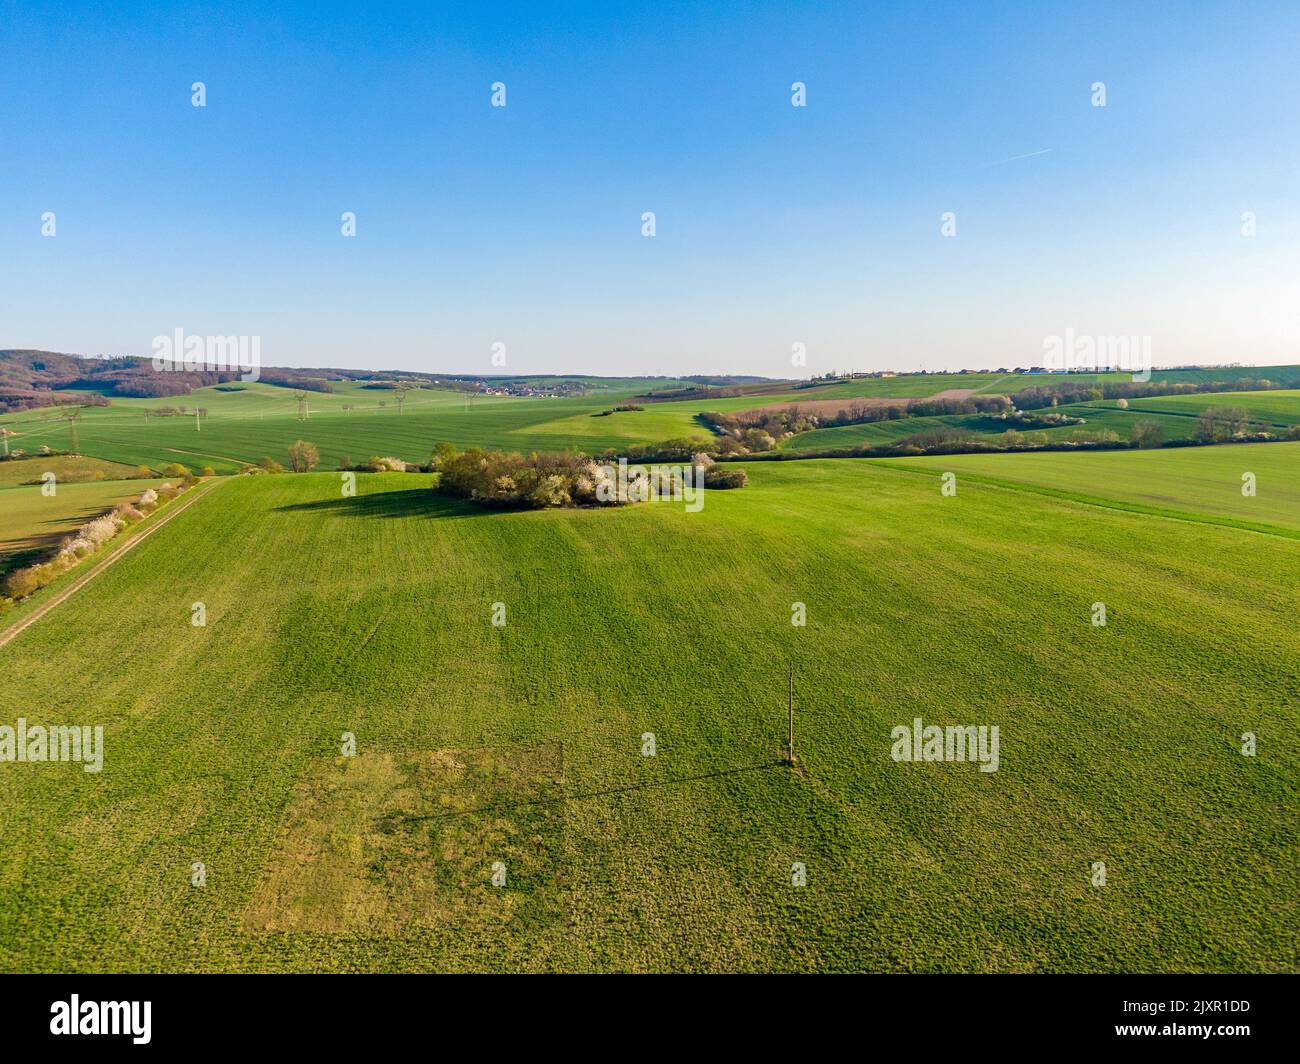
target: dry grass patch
382 842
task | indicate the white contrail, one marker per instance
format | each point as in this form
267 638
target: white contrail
1014 158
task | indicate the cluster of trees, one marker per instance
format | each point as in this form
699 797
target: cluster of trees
763 430
1219 423
1041 418
502 479
679 449
175 411
515 481
87 539
14 400
303 456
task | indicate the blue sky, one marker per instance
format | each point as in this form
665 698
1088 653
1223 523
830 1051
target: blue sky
775 224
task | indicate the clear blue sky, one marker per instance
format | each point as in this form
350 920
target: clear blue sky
775 224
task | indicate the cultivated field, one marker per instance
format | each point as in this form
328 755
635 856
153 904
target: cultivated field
523 744
1203 483
1278 409
245 422
31 521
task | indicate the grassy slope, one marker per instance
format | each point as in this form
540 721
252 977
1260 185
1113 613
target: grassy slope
244 426
67 469
261 419
1279 409
30 520
1175 414
371 615
1200 480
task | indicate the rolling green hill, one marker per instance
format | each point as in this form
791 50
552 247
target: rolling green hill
244 422
523 743
1277 410
31 521
1202 482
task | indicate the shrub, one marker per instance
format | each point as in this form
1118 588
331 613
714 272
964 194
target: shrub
1146 434
442 453
725 478
500 479
208 471
303 456
386 465
269 465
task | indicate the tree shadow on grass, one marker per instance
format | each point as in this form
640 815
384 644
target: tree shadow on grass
410 502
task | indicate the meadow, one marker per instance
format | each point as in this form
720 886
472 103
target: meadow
31 522
67 469
242 427
1275 409
245 422
523 744
1201 483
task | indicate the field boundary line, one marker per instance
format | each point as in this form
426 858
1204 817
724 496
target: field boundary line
1279 531
11 633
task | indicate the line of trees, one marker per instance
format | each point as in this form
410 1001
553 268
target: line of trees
502 479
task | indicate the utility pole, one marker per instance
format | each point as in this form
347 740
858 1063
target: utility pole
789 750
197 426
71 418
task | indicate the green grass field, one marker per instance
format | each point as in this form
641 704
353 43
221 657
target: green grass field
31 522
1276 410
67 469
242 427
522 744
1204 483
245 422
873 433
